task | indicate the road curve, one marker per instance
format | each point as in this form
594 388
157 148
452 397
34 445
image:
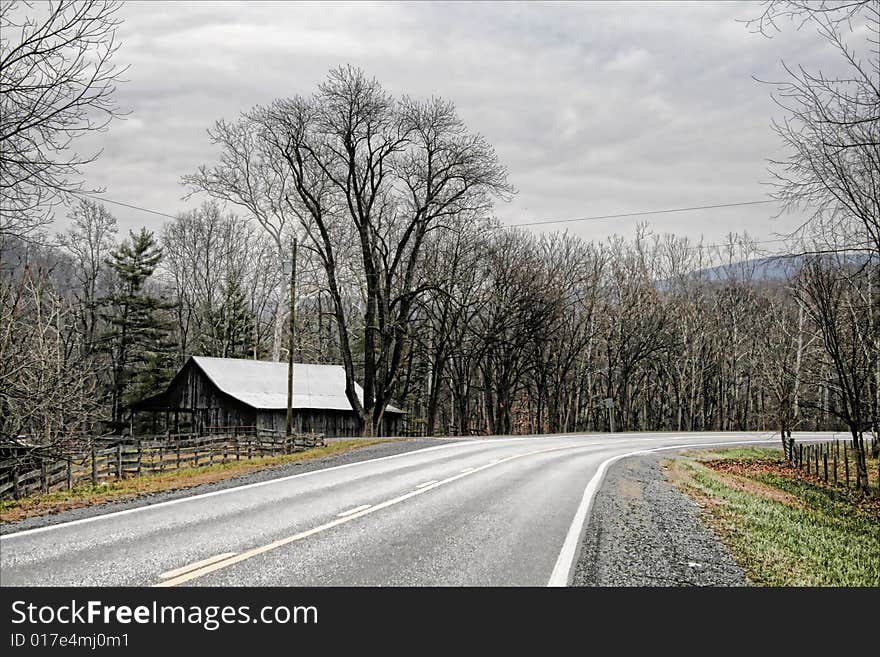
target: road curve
487 512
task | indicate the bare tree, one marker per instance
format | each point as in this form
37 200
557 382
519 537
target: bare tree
89 241
835 295
208 255
57 81
368 177
635 327
253 175
49 391
519 312
832 125
781 347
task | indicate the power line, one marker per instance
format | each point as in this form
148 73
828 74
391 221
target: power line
637 214
529 223
125 205
610 216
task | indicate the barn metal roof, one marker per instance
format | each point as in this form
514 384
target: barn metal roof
263 384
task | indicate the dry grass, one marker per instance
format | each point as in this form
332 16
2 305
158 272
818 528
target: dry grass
134 487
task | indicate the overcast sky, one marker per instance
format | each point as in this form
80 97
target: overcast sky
595 108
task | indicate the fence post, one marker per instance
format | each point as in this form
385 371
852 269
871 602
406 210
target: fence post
139 455
178 453
69 475
44 476
94 465
118 461
864 449
16 492
846 463
834 453
237 448
825 463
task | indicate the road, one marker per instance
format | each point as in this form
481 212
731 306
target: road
486 512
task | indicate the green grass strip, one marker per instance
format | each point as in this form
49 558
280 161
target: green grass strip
822 539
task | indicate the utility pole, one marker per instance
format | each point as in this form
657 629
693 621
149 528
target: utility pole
290 339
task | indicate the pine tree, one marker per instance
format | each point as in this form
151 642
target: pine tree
230 325
236 321
137 337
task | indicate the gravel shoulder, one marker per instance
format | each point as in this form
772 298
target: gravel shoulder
275 472
642 531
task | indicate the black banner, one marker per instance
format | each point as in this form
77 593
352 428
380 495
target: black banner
39 620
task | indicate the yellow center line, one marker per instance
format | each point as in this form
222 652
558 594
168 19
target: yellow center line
192 574
354 510
196 565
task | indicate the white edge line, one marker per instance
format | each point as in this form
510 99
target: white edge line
354 510
195 566
427 483
561 574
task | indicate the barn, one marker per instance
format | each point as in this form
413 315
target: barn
210 393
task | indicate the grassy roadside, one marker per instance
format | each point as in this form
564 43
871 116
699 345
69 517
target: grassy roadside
133 487
783 530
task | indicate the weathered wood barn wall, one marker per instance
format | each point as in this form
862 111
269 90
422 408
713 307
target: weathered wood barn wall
230 392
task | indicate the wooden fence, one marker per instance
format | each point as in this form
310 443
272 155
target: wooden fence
835 461
144 456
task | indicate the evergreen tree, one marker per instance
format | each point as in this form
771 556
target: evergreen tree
137 337
230 325
236 321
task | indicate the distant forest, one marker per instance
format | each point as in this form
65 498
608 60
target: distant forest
509 333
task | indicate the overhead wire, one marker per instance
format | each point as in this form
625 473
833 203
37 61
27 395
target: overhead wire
639 214
531 223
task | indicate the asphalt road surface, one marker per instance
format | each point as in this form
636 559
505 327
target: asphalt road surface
485 512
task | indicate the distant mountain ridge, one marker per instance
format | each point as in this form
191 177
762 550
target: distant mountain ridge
771 268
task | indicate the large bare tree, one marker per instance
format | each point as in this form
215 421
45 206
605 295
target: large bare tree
370 176
57 83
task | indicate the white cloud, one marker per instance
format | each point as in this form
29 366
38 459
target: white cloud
596 108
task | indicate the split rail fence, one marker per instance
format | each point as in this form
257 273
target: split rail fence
127 458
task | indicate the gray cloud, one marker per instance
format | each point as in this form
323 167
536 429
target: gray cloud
595 108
